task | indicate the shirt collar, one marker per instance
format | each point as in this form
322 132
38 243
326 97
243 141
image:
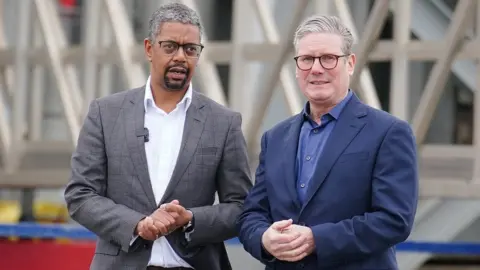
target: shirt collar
335 111
184 103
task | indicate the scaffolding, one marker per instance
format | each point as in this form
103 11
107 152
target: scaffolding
81 72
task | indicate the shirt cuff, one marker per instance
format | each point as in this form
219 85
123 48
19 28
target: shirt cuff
134 238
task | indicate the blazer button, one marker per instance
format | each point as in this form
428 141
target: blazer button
302 223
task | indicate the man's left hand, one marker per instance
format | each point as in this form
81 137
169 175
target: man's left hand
181 215
301 247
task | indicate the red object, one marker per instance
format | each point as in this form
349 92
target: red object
68 3
45 255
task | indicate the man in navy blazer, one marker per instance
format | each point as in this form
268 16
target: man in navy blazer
336 186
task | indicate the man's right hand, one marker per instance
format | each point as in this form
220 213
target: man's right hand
159 223
275 242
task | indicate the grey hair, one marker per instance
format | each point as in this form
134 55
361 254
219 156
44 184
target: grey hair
325 24
173 12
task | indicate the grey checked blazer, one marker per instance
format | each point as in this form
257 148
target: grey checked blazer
109 191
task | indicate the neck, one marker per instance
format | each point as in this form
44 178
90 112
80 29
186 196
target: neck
319 109
166 100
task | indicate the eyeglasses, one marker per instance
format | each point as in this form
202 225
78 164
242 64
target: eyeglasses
327 61
191 50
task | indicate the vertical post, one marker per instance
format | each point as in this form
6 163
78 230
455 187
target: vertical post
24 25
237 95
38 92
93 10
106 69
476 103
22 48
399 93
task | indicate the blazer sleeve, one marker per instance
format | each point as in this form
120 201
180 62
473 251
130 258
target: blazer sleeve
255 218
85 193
394 202
216 223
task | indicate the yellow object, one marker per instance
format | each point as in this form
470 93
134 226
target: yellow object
44 212
9 212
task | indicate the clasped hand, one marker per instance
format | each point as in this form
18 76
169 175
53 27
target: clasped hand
166 219
288 242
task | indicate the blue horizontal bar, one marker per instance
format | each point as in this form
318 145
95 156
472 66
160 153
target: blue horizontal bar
75 232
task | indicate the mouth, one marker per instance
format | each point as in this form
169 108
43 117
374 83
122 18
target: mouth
177 73
318 82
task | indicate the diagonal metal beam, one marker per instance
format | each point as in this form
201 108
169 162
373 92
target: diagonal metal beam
367 87
125 40
373 27
207 72
271 81
287 80
65 79
439 74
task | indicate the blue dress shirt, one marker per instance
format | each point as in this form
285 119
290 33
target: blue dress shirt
311 142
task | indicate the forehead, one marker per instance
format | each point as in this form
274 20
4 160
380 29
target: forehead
179 32
320 43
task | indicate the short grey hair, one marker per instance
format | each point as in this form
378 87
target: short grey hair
325 24
173 12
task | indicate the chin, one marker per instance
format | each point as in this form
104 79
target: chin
320 94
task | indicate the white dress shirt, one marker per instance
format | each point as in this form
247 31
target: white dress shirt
165 138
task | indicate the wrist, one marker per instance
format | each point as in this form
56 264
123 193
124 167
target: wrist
135 232
190 222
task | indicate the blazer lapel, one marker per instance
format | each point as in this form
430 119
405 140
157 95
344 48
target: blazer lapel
193 129
290 157
134 114
349 124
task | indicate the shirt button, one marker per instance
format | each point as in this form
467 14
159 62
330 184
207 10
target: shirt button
302 185
315 131
308 158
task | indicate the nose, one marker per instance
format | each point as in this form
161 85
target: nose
317 67
179 55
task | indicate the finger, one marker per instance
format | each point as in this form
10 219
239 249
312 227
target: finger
170 207
294 258
284 238
161 227
295 243
294 253
175 202
150 226
169 218
281 225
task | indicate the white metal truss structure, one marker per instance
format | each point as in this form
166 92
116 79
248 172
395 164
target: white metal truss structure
82 73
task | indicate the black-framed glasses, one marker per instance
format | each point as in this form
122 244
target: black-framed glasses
191 50
327 61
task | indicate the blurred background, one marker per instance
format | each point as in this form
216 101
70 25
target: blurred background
417 59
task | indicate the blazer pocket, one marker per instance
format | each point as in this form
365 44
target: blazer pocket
106 248
207 151
355 156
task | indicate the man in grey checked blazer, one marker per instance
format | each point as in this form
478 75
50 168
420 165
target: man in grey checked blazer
111 192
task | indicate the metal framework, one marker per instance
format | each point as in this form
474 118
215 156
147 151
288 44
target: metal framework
447 170
40 52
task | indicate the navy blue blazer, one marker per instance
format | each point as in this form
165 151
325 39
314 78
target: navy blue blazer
360 203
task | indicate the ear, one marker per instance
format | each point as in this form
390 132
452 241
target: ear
351 64
148 49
